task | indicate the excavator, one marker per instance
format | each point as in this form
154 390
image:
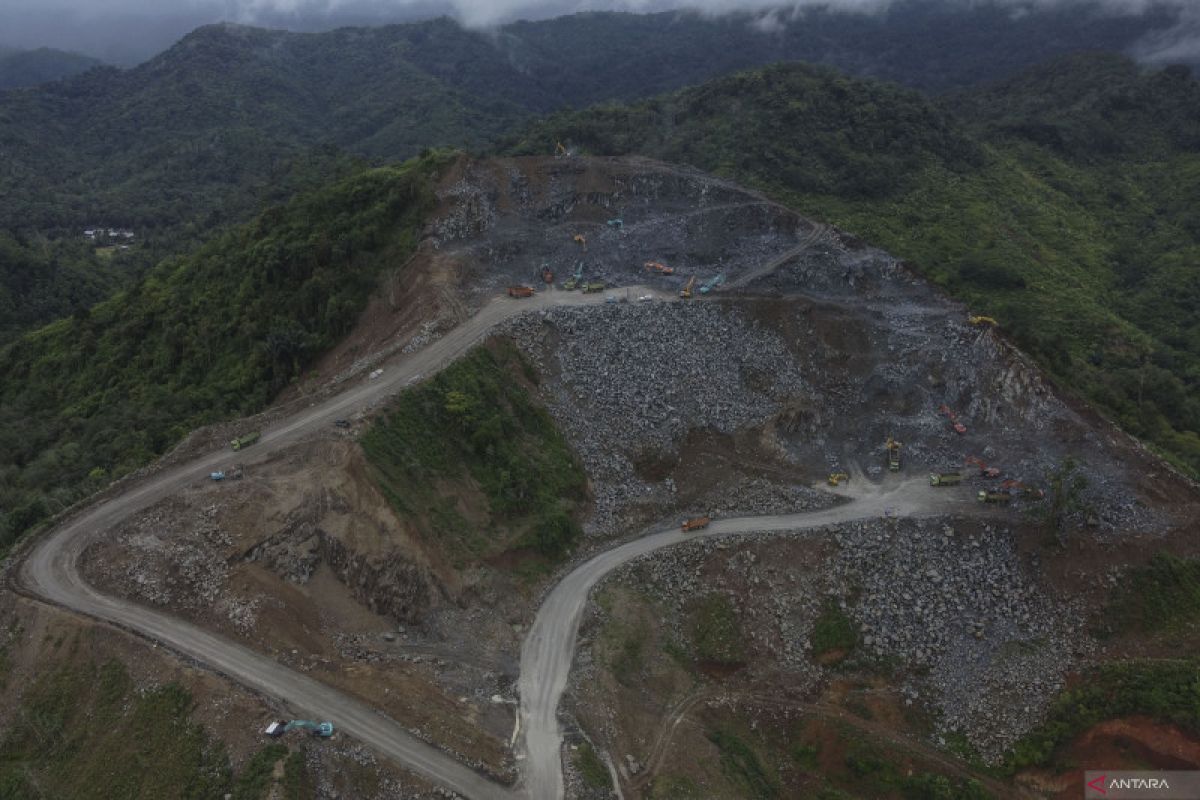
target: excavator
547 274
959 428
984 470
838 478
321 729
979 319
580 240
712 283
893 454
560 151
686 291
572 282
660 268
1023 489
617 223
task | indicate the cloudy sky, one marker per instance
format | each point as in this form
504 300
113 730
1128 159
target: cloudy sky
128 31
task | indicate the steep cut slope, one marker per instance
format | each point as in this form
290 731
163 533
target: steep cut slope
1059 203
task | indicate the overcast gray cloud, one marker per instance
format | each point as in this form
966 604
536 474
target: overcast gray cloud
126 31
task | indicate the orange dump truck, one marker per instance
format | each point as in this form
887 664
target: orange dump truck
695 523
520 291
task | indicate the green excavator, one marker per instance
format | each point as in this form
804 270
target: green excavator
278 728
572 282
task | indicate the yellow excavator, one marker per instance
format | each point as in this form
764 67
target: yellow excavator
979 319
838 478
560 151
686 292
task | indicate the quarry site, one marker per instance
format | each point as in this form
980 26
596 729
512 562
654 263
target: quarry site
799 353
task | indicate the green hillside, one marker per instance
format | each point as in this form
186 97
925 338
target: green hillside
232 119
1061 202
21 68
201 338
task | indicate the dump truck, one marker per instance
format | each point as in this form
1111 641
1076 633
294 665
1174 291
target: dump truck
945 478
279 728
245 441
695 524
591 288
520 291
838 478
994 497
893 454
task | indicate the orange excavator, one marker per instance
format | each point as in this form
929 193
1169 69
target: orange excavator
580 240
984 470
547 274
959 428
660 268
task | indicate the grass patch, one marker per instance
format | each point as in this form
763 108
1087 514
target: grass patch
1163 595
257 775
674 787
716 632
591 768
476 426
834 634
741 764
1166 691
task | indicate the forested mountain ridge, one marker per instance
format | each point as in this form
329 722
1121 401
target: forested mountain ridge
232 118
21 68
1061 202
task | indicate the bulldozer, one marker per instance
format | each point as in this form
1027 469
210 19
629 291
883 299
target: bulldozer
893 454
686 291
838 478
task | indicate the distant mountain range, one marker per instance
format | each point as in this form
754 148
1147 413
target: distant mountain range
21 68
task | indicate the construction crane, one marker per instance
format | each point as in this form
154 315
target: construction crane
570 283
893 454
660 268
984 470
712 283
580 240
959 428
322 729
686 291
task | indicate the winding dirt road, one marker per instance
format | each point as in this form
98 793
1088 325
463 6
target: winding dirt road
50 572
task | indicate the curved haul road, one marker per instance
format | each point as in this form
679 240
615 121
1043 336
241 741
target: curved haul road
50 571
549 646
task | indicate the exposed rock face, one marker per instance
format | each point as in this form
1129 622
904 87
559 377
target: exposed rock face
386 584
